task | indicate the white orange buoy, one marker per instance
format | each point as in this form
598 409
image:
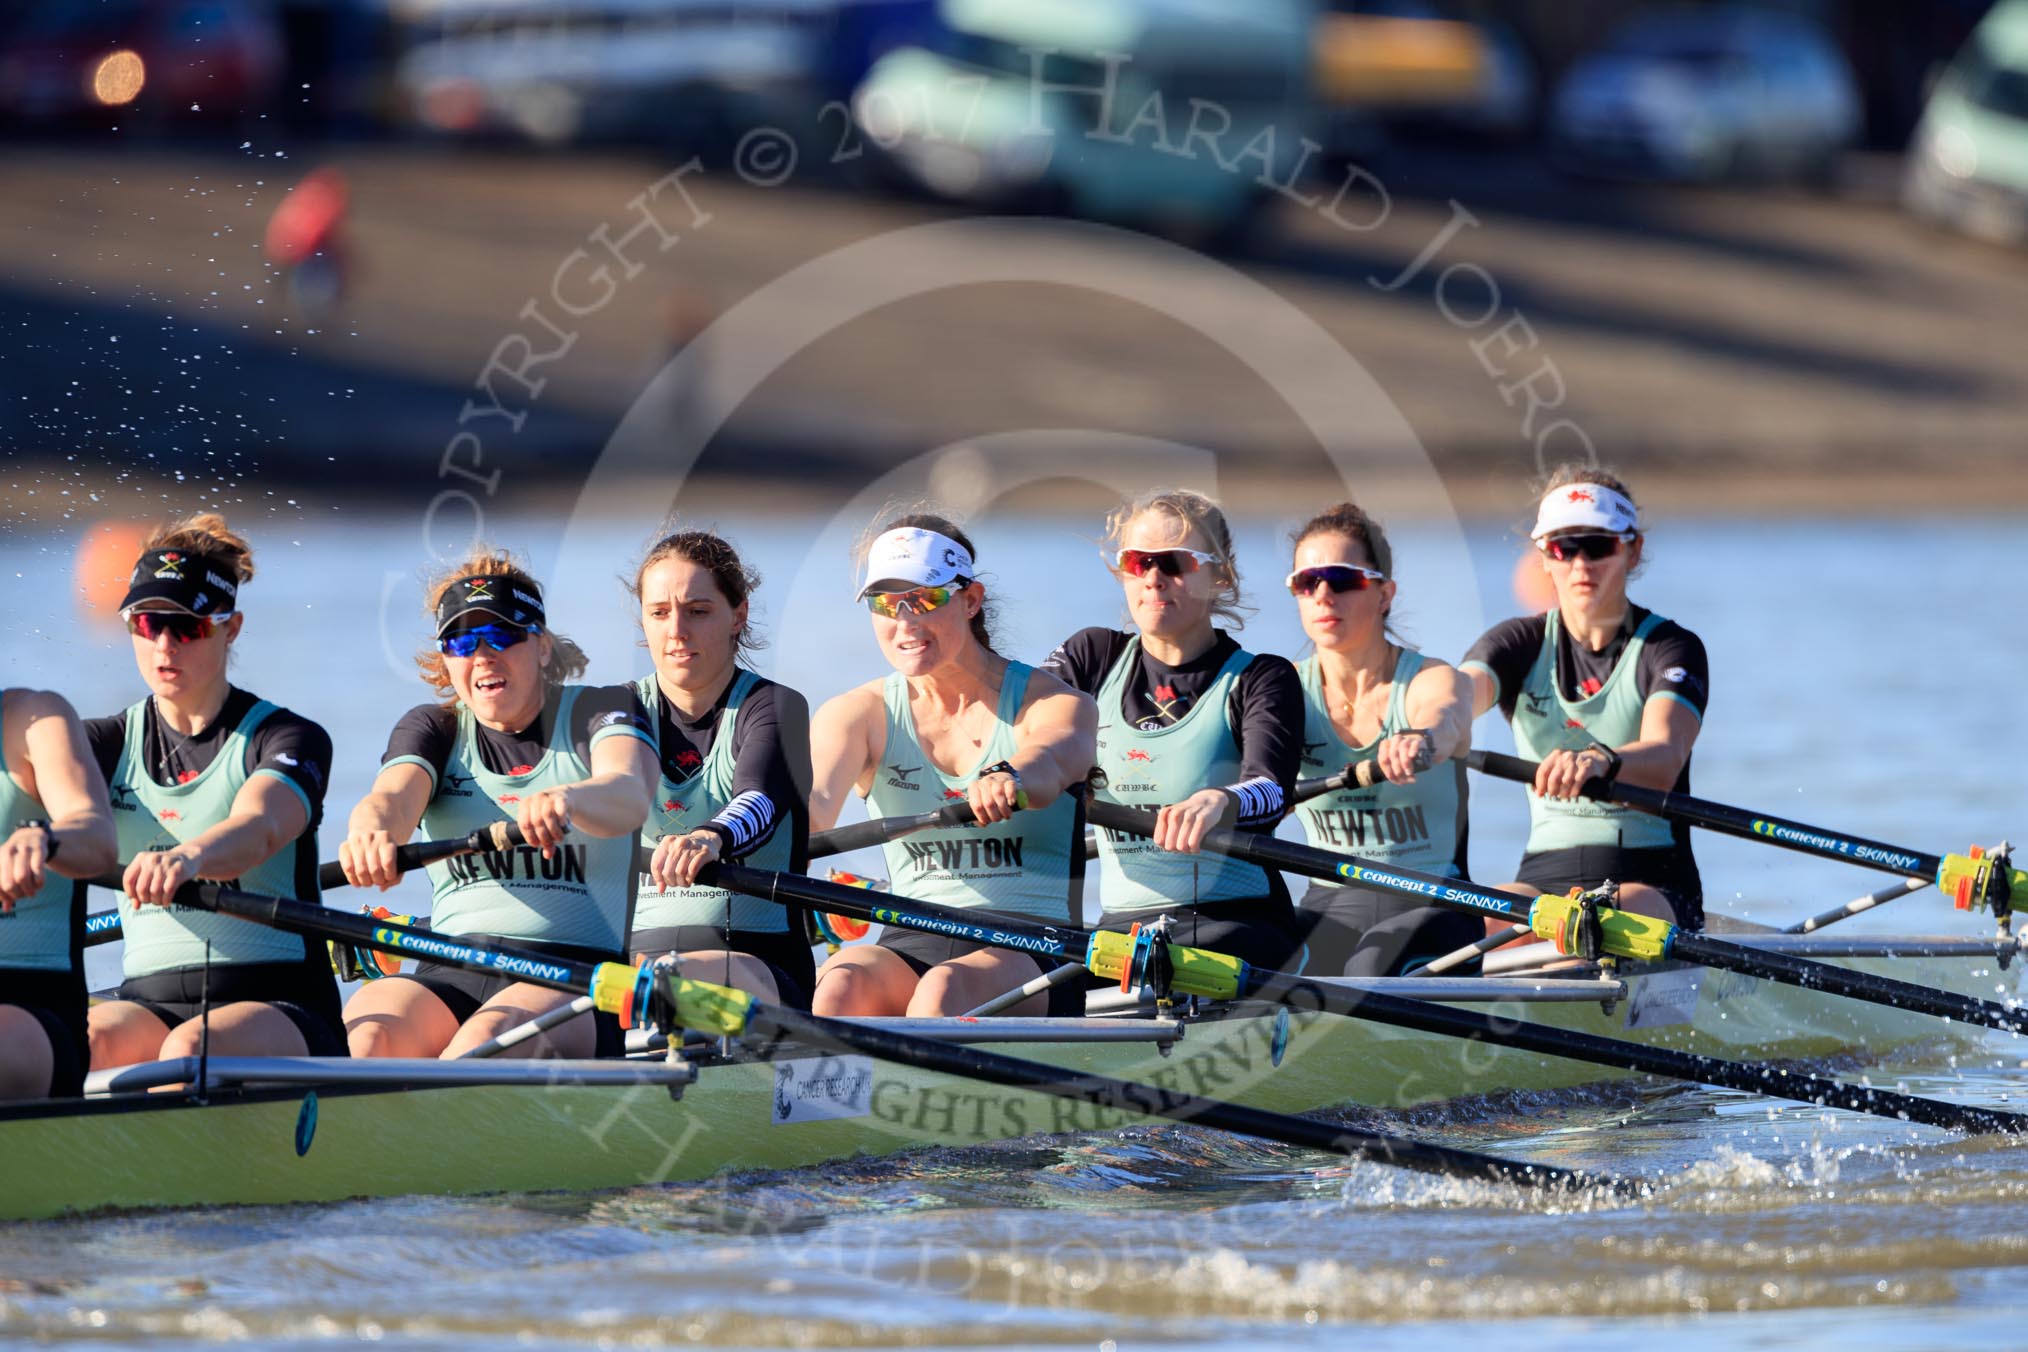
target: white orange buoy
105 562
1532 587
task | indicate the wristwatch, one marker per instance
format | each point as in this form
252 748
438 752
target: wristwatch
1007 768
1612 770
50 843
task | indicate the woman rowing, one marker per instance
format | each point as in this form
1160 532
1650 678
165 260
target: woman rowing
953 722
1598 688
512 740
735 775
209 781
1367 697
52 789
1192 725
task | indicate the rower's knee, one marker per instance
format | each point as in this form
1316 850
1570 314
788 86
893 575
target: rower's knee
370 1035
942 990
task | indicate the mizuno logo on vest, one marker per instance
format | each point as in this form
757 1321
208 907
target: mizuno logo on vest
124 799
1310 750
904 779
524 862
456 785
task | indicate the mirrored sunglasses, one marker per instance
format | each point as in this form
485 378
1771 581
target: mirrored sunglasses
1339 577
1171 562
498 637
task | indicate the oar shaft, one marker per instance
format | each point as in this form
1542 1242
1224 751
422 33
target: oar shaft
103 927
1070 945
1665 940
880 830
1146 1100
1851 908
1731 821
1477 1026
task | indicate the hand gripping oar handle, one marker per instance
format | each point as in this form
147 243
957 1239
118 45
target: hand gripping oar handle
103 927
1573 924
1197 971
880 830
500 835
1974 881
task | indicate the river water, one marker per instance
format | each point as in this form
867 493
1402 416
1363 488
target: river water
1864 678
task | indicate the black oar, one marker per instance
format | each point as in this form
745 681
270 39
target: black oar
1974 881
1192 971
880 830
102 927
675 1002
1572 924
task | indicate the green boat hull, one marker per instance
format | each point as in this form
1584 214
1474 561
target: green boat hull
274 1146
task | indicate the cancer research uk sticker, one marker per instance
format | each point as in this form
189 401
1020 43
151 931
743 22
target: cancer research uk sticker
823 1088
1664 999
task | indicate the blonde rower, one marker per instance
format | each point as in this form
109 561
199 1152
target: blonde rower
513 739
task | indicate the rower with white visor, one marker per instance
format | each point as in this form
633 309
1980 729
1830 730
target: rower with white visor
1598 687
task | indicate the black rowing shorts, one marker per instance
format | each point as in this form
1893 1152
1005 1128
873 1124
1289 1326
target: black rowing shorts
304 990
786 955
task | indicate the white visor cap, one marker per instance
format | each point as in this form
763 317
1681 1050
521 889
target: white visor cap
911 556
1584 507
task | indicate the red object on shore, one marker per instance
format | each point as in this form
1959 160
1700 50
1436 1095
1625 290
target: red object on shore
308 219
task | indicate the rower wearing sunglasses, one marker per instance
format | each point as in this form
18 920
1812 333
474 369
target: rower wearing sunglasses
209 781
54 800
735 757
1193 725
1598 687
1368 697
513 739
953 722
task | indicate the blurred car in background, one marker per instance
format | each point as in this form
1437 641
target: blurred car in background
73 62
688 72
1412 65
1706 94
1000 104
1968 164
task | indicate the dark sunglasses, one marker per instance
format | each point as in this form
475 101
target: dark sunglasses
915 601
183 627
1339 577
1170 562
498 637
1564 548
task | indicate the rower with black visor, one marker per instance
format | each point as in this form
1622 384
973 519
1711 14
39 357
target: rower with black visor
512 738
1598 687
208 781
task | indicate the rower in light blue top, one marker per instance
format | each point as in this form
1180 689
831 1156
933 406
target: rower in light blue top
1192 726
953 722
58 828
1598 687
1367 699
516 740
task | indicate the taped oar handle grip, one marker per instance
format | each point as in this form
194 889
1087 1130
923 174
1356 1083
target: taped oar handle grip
1361 774
880 830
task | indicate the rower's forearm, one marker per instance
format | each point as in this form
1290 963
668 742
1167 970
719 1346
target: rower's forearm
85 843
237 845
380 812
1650 765
608 805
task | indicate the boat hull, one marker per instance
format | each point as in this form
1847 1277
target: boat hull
804 1109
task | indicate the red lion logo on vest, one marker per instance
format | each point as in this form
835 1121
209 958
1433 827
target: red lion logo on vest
1136 754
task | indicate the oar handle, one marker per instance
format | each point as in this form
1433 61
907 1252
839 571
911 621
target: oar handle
501 835
880 830
1502 766
103 927
1360 774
